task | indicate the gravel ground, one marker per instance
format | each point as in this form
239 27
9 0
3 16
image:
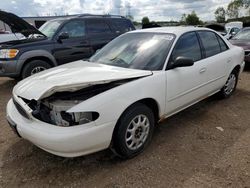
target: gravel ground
187 151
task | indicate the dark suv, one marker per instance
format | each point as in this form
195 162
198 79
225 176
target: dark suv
57 42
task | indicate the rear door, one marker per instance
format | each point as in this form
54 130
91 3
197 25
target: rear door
217 60
99 33
76 47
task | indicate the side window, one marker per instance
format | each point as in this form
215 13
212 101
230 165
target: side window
75 28
210 43
223 45
187 46
122 25
97 27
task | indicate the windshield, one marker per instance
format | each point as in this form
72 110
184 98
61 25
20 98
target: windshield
146 51
50 27
243 35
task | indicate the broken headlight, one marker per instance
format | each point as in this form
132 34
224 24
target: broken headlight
70 119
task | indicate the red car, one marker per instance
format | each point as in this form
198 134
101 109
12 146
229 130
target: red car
242 39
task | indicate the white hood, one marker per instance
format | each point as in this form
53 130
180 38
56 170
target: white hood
72 77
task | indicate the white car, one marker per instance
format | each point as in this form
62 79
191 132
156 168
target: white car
116 99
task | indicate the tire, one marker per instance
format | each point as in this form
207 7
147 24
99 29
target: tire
138 135
34 67
230 86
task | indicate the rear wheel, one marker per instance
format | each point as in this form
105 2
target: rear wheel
133 131
34 67
230 85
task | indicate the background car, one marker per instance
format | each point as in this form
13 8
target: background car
57 42
116 99
242 39
232 28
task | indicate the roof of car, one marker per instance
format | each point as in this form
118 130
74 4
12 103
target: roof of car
178 30
89 16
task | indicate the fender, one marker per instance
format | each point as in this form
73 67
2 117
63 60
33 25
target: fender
123 96
32 54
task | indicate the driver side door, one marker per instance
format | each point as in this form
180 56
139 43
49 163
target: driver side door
185 85
76 46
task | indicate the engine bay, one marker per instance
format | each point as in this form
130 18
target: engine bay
53 109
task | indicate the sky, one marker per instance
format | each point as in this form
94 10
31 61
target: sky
157 10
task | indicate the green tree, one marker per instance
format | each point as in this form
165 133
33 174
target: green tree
145 20
193 19
234 7
183 19
220 15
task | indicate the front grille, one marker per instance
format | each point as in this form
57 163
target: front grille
20 109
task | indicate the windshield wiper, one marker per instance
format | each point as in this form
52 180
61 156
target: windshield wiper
118 61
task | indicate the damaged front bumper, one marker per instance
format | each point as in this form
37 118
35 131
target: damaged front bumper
62 141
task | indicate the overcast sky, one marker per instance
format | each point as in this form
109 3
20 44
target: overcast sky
154 9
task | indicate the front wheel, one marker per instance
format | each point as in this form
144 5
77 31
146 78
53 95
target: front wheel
34 67
133 131
230 85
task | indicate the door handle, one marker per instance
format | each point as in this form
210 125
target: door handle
203 70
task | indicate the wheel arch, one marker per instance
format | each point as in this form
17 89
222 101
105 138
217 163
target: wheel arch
149 102
27 57
237 69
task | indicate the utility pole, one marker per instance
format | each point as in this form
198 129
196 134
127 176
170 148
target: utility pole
128 10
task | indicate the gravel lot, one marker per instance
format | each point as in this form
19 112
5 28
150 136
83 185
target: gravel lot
187 151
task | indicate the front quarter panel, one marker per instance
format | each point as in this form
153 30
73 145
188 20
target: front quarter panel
112 103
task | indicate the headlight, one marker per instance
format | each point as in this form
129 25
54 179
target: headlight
76 118
85 117
8 53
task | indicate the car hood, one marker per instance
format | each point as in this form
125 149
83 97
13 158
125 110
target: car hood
18 25
245 44
28 41
72 77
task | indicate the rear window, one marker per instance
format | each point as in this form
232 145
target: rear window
122 25
98 26
223 46
210 43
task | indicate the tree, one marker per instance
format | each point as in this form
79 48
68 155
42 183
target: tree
220 15
183 19
145 20
193 19
234 7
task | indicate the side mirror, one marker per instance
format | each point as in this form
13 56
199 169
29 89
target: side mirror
63 36
182 62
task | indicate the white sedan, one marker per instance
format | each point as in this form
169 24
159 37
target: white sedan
116 98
